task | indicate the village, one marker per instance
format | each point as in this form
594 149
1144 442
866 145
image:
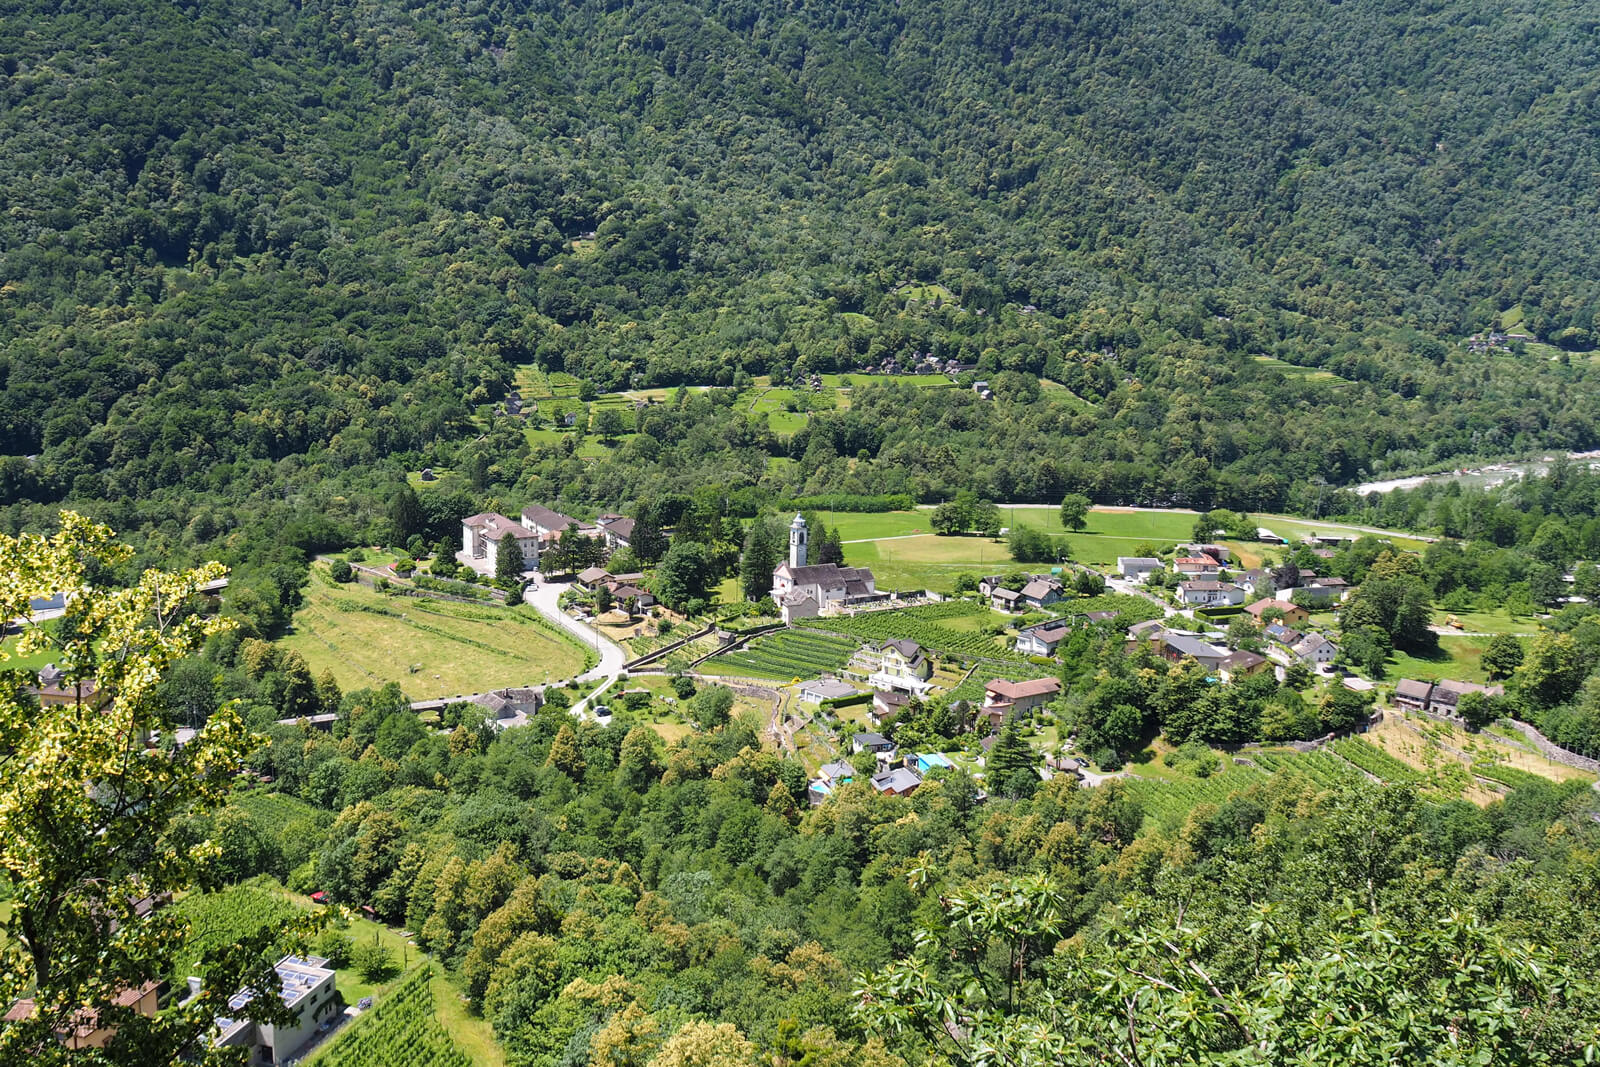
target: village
833 665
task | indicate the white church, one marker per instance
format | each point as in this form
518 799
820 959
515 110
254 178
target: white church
802 592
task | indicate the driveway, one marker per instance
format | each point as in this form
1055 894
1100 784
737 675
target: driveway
544 596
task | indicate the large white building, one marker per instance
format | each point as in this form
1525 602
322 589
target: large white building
481 538
307 989
801 590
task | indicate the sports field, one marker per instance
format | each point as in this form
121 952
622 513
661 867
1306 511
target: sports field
431 647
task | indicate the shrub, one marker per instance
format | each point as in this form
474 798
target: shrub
335 947
356 555
340 571
372 961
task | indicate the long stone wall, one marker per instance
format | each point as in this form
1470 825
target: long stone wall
1552 751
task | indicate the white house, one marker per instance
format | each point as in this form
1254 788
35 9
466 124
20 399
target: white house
825 584
1210 593
1137 568
1043 639
1316 650
307 991
549 525
481 537
886 703
1196 566
825 689
617 530
895 665
1041 592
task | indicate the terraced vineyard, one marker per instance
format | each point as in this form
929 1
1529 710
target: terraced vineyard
1375 761
402 1029
275 810
1508 776
1323 768
784 655
218 919
915 624
1130 608
1171 801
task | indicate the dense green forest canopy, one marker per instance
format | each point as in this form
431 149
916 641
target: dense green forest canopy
275 253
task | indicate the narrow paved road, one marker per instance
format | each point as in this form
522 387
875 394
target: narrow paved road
545 596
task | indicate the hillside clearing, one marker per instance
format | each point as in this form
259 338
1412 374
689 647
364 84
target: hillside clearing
432 647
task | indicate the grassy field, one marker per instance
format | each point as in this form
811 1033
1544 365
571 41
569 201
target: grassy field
1457 658
1290 370
1297 528
917 558
431 647
14 662
1498 621
470 1034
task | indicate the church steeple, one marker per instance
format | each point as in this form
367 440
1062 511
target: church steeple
797 542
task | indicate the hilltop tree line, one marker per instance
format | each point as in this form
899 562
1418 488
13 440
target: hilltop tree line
263 258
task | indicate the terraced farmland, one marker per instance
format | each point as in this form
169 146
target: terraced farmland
917 624
784 655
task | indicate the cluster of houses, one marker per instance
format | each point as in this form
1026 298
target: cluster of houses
622 587
483 536
921 363
1494 341
1207 581
900 675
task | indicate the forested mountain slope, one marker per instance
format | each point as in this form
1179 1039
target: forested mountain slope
253 244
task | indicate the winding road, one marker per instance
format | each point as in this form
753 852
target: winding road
545 597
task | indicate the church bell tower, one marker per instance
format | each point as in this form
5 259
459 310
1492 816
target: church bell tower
797 542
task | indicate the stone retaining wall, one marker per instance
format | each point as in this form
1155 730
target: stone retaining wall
1552 751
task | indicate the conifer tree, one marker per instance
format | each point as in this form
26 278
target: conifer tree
759 559
1010 763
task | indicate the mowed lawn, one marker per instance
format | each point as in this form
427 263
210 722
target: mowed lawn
1457 659
431 647
1498 621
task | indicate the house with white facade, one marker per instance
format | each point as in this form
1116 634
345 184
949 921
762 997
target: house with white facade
897 666
1042 639
483 536
1137 568
1209 593
825 689
306 985
1316 650
549 525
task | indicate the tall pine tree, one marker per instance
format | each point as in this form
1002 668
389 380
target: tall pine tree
1010 764
759 558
